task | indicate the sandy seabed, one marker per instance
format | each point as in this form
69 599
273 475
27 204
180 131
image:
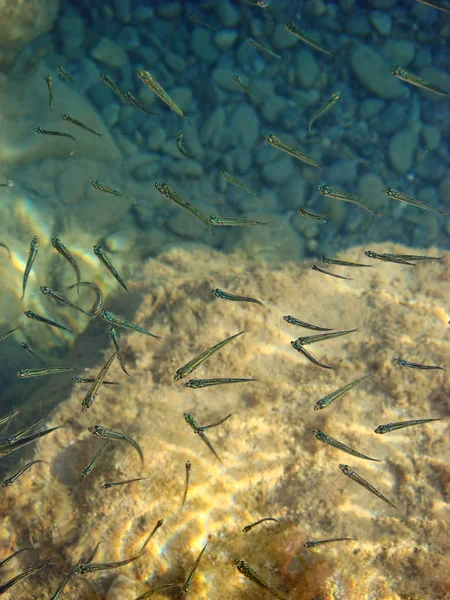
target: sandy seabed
272 466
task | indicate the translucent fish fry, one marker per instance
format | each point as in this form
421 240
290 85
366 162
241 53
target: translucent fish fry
109 434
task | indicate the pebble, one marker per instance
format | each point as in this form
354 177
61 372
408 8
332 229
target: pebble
306 68
281 38
211 131
175 62
382 4
431 168
184 168
122 10
357 26
273 107
128 38
225 39
401 150
168 10
228 15
342 171
245 125
393 118
109 53
224 78
370 188
71 34
156 138
110 114
370 107
381 21
372 71
431 137
122 240
399 52
143 14
148 55
202 46
279 170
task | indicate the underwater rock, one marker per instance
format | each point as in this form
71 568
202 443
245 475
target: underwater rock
401 149
373 73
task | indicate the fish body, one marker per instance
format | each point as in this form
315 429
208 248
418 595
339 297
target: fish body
320 270
13 555
43 131
13 439
30 350
246 89
88 470
238 183
342 263
109 484
275 142
349 472
187 584
181 145
435 4
110 317
148 80
326 439
412 79
9 584
115 340
65 75
137 103
69 119
193 423
49 81
24 441
101 187
10 480
249 527
186 484
60 298
114 87
201 383
93 391
325 108
206 427
401 197
4 424
401 425
321 337
310 215
233 297
311 544
293 321
2 245
78 379
103 258
193 17
304 37
234 221
309 356
28 373
244 568
329 398
387 258
64 252
32 315
330 192
34 249
411 365
172 195
6 334
109 434
198 360
98 304
414 257
251 42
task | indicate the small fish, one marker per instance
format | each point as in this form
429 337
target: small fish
7 249
310 215
343 263
186 484
28 373
69 119
34 249
259 46
110 484
414 257
401 425
249 527
193 423
32 315
293 321
326 439
30 350
280 145
24 441
60 298
103 258
98 304
64 252
206 427
198 360
309 356
245 569
387 258
49 82
101 187
65 75
246 89
172 195
109 434
10 480
13 439
238 183
182 146
6 334
193 17
157 588
330 192
256 3
114 87
4 424
88 470
93 391
201 383
148 80
325 108
234 221
43 131
110 317
137 103
227 296
412 79
329 398
316 268
13 555
74 571
401 197
310 544
348 471
435 4
412 365
9 584
304 37
187 584
110 330
321 337
78 379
